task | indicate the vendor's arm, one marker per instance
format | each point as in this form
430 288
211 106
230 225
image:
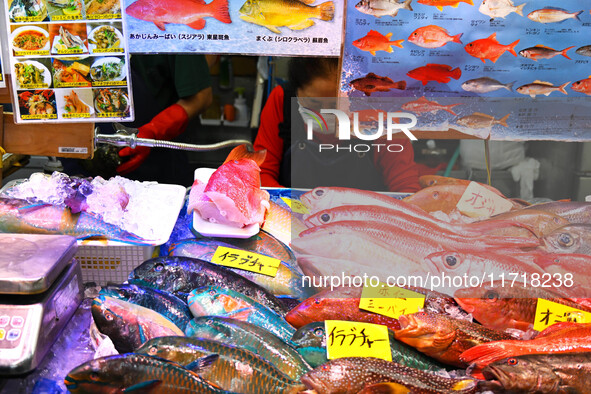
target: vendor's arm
399 168
197 103
268 138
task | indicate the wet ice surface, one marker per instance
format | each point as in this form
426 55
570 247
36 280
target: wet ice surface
72 348
137 207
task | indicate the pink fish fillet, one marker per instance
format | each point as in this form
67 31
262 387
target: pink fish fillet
232 196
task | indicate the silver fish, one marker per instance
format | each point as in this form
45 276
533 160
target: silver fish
379 8
500 8
541 87
543 52
485 85
552 15
584 51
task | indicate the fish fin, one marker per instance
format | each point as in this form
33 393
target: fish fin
544 46
519 9
219 10
577 15
373 33
483 115
561 87
198 24
532 95
512 47
543 82
373 53
425 82
202 363
304 25
385 388
457 38
387 35
464 384
327 11
440 8
308 2
484 60
389 49
242 152
509 86
455 5
240 314
469 2
401 85
456 73
448 109
160 25
397 43
564 51
493 37
486 353
407 5
32 207
274 29
143 387
503 120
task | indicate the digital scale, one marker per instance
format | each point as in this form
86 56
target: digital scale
40 289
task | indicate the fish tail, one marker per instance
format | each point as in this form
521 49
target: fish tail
565 50
509 86
242 152
469 2
503 120
407 5
486 353
512 47
397 43
561 87
220 10
457 37
519 9
577 15
327 11
456 73
448 108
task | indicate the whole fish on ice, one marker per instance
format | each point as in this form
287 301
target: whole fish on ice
185 12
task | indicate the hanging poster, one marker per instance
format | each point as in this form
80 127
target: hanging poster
68 61
2 80
498 69
257 27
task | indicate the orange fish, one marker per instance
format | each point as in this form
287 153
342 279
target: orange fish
441 73
374 83
432 36
439 4
375 41
185 12
422 105
582 86
489 48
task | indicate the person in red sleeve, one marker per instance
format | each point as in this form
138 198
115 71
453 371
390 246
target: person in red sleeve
169 91
294 161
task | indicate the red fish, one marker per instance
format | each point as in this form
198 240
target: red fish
232 196
432 36
567 338
489 48
375 41
439 4
582 86
374 83
423 105
184 12
441 73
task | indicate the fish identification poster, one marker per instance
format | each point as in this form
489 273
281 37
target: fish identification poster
250 27
506 69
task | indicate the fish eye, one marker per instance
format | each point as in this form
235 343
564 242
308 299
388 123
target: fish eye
491 295
319 192
435 194
153 350
316 301
565 239
324 367
319 332
94 376
158 267
469 45
415 34
451 260
108 316
512 361
325 217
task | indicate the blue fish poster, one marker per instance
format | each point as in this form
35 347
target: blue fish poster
255 27
516 70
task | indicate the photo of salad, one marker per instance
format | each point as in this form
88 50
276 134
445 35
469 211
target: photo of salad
111 101
64 8
31 73
104 37
37 102
108 69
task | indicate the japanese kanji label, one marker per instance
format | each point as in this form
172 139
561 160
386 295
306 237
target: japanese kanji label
246 260
548 313
355 339
390 301
295 205
478 201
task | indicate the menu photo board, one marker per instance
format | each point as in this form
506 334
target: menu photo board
505 70
69 61
255 27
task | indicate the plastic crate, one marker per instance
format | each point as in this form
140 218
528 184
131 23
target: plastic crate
103 264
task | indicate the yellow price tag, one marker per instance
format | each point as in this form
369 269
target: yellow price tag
478 201
246 260
355 339
390 301
549 313
295 205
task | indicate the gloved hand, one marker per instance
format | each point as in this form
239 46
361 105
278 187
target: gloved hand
167 125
